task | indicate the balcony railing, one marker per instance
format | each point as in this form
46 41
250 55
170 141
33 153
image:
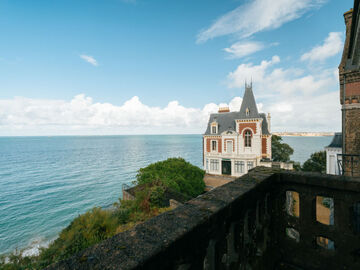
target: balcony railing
268 219
349 164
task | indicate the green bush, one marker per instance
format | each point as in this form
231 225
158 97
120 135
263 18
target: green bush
176 174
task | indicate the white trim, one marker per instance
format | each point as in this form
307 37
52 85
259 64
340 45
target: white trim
351 106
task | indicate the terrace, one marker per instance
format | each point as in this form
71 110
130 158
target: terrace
267 219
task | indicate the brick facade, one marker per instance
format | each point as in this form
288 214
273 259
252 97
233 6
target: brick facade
349 75
352 130
264 146
243 126
208 144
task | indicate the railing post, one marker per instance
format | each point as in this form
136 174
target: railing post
307 219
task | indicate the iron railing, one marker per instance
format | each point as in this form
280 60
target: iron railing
349 164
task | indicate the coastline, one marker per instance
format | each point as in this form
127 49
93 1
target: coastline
304 134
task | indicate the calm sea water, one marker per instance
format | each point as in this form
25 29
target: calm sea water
45 182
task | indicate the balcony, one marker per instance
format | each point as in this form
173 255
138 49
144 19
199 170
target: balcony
267 219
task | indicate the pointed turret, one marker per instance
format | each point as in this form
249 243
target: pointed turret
248 106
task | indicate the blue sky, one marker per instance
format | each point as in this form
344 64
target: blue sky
129 67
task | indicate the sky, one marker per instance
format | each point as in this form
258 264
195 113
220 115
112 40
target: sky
107 67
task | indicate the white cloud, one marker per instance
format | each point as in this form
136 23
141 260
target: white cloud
81 115
256 16
241 49
244 72
333 45
270 80
91 60
297 99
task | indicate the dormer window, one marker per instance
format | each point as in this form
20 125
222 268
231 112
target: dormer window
247 112
214 128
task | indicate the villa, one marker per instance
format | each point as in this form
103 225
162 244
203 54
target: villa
235 142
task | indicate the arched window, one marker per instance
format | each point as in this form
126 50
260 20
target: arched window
247 138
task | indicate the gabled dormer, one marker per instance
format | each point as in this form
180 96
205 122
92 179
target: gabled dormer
214 127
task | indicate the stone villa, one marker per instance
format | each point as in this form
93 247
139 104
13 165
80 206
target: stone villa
235 142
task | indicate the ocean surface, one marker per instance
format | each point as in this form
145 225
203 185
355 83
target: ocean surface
45 182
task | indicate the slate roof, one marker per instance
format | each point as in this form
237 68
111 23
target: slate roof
265 126
226 121
249 103
336 141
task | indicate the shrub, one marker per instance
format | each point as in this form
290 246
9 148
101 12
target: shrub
176 174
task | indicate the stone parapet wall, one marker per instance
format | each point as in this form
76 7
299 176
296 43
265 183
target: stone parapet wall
241 225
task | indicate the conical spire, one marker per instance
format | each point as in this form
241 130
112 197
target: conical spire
248 106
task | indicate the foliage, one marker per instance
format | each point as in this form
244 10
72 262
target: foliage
176 174
316 163
281 152
297 166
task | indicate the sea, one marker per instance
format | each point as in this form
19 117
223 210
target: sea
45 182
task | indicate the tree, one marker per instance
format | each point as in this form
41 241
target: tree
316 163
281 152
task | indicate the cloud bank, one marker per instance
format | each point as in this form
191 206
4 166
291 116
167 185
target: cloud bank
256 16
82 116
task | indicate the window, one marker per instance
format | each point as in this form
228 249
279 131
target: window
250 165
213 145
239 166
247 112
214 165
248 138
213 130
229 147
207 164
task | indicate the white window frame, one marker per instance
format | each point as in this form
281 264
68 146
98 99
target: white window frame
216 144
207 164
214 165
227 146
246 137
239 166
212 131
250 165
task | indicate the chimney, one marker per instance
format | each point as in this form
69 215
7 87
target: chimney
269 122
224 109
348 21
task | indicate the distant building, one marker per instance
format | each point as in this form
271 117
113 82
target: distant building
235 142
333 153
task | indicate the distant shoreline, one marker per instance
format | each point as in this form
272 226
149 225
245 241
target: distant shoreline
304 134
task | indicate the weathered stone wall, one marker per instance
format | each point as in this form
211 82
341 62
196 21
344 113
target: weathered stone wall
352 131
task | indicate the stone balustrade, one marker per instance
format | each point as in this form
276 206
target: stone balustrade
267 219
